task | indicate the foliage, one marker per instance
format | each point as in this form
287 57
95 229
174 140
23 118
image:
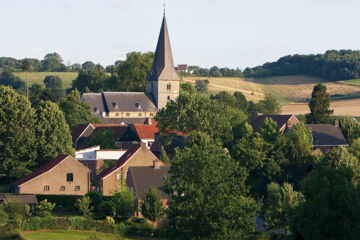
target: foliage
164 157
95 198
52 133
214 72
202 85
84 205
152 207
123 200
76 112
355 148
106 208
45 208
237 100
17 213
7 78
187 88
279 204
65 201
270 105
107 163
17 136
90 80
3 215
53 63
103 138
350 128
208 195
53 82
130 75
319 106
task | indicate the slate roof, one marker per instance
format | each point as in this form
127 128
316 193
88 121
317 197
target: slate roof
122 120
279 119
145 131
94 100
145 177
128 102
41 170
163 66
28 199
327 135
119 163
79 129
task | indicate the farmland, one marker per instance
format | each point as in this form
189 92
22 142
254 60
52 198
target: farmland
38 77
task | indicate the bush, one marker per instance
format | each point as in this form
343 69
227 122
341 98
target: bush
10 236
138 227
106 208
65 201
95 197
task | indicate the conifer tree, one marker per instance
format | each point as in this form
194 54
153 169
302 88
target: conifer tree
319 106
153 208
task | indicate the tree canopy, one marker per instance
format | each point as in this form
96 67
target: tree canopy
90 80
319 106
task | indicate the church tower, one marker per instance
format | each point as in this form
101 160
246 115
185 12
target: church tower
163 82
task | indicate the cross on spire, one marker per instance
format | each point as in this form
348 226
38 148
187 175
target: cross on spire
164 7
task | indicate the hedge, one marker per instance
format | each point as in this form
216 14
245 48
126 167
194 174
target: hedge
66 201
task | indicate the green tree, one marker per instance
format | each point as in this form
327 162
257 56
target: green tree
91 79
355 148
208 195
45 208
270 105
279 204
7 78
84 205
53 82
88 65
52 133
164 157
319 106
95 198
130 75
152 207
3 215
17 213
123 200
350 128
187 88
53 62
105 138
106 208
17 134
76 112
202 85
241 101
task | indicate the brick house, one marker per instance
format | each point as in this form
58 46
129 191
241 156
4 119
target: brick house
108 181
63 175
284 122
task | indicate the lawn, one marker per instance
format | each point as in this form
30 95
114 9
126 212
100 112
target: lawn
38 77
73 235
352 81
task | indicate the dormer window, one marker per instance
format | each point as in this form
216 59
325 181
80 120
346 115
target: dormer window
115 104
138 105
95 109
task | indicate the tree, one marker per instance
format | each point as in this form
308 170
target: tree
319 106
88 65
202 85
53 82
241 101
106 208
76 112
7 78
95 198
17 213
45 208
279 204
187 88
52 133
350 128
152 207
164 157
130 75
3 216
270 105
208 198
53 62
84 205
123 200
91 79
17 134
105 138
355 148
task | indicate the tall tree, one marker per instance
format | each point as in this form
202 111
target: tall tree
76 112
53 82
91 80
52 132
17 134
7 78
208 195
319 106
152 207
350 128
123 200
270 105
53 62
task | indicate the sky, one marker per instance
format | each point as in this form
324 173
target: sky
225 33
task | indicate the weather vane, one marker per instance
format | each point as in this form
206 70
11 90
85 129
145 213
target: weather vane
164 7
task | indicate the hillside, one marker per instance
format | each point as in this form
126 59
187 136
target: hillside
38 77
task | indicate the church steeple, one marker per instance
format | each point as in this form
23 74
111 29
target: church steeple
162 82
163 66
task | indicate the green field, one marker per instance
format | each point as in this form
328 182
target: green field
38 77
352 81
73 235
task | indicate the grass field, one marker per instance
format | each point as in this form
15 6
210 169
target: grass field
72 235
38 77
352 81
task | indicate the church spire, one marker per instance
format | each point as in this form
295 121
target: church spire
163 66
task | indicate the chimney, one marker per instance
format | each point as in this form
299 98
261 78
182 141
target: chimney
156 164
336 123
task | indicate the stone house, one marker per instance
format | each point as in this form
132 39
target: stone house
63 175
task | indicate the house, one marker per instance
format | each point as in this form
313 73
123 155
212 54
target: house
108 181
168 142
162 85
94 157
326 137
31 200
284 122
140 179
63 175
145 133
182 68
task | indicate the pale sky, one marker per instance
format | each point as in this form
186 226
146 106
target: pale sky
232 33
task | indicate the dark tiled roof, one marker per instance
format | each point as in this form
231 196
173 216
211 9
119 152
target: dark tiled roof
128 102
28 199
119 163
279 119
163 66
41 170
145 177
122 120
95 100
76 133
327 135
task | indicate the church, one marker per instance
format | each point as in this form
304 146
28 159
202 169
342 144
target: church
162 85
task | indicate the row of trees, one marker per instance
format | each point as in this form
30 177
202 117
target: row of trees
333 65
213 72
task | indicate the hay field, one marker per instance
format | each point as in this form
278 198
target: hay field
38 77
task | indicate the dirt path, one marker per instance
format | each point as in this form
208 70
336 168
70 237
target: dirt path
342 107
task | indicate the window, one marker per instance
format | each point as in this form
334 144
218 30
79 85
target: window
168 87
117 114
69 177
46 188
118 176
140 114
77 188
168 98
128 114
151 114
62 188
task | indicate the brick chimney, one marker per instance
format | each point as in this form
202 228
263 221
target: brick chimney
156 164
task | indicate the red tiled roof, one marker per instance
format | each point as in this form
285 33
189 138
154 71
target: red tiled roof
119 163
182 67
75 134
145 131
41 170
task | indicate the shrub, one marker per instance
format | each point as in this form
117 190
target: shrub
45 208
65 201
95 197
83 204
106 208
138 227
